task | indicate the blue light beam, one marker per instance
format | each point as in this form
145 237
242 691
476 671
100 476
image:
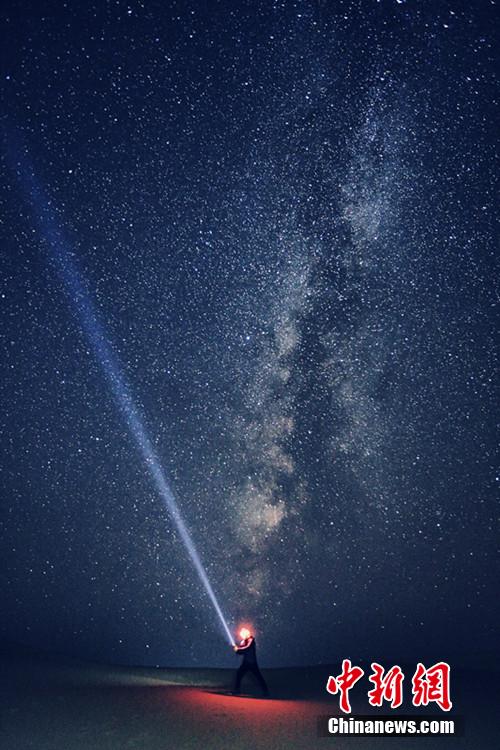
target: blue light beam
64 261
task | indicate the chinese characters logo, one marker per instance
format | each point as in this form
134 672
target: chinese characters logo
430 685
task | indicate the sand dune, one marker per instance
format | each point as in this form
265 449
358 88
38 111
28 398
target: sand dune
56 703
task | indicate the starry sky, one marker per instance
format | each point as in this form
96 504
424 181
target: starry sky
283 212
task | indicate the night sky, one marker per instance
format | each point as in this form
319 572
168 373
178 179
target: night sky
284 215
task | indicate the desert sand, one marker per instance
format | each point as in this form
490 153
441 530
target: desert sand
58 703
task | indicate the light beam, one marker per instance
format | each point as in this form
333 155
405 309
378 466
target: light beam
65 264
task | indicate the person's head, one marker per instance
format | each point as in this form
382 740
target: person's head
244 633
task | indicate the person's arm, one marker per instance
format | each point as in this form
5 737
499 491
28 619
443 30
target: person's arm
241 649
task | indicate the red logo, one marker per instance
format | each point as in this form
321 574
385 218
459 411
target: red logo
430 685
388 688
344 682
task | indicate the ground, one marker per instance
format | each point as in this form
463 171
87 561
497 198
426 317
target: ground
57 703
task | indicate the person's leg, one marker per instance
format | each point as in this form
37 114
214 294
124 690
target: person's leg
239 675
260 679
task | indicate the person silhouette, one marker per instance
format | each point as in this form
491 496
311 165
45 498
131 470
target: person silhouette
246 649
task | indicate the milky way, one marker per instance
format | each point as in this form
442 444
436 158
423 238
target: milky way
284 215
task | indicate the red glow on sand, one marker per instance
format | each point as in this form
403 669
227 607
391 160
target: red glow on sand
241 711
238 721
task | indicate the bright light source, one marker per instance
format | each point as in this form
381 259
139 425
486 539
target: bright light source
62 257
